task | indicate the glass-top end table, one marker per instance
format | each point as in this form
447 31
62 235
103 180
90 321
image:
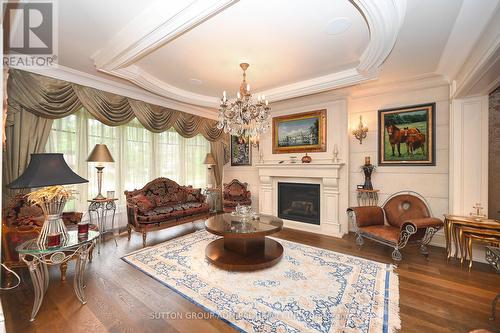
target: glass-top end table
38 258
244 245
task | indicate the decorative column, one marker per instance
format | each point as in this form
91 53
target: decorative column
266 200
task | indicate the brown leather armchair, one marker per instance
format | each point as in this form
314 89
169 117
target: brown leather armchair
236 193
404 216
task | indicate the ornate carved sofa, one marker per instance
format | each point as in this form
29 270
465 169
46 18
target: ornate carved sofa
236 193
408 217
21 222
162 203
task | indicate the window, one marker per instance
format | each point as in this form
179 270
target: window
140 156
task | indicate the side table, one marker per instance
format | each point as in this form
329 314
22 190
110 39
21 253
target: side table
367 197
101 207
39 258
213 197
493 258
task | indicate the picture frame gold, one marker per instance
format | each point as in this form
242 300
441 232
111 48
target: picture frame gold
300 133
407 135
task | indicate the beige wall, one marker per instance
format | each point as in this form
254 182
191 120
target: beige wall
494 156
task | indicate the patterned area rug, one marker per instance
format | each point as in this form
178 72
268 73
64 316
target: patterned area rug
309 290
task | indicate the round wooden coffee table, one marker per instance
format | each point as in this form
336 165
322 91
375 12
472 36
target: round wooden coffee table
243 246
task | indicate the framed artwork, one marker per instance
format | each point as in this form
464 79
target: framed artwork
407 135
300 133
240 150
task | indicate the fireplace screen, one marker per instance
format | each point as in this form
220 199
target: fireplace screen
299 202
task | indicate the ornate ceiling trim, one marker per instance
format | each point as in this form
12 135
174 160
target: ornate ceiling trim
149 31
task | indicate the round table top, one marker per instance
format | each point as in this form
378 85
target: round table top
234 226
31 246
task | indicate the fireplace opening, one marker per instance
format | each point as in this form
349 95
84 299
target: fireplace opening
299 202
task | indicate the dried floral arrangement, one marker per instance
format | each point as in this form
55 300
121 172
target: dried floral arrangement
47 194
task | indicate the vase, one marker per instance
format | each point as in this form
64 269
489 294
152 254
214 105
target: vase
368 169
306 159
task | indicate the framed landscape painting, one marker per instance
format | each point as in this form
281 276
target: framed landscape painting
407 135
300 133
240 150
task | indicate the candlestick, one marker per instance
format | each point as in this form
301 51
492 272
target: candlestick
335 153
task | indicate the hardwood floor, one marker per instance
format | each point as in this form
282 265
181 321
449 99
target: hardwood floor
435 296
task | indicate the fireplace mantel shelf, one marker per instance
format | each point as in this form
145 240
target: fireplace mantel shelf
319 165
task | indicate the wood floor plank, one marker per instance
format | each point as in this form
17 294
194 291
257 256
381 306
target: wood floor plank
435 295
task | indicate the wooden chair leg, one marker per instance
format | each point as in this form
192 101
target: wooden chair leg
144 238
129 231
63 267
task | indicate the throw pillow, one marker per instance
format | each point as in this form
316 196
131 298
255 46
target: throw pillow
142 202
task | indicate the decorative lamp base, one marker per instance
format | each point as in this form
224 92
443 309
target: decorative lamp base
100 197
52 226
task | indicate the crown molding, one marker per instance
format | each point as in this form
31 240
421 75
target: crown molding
466 30
424 81
384 18
157 25
319 84
85 79
153 28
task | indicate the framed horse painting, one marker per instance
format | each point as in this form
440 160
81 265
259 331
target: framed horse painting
407 135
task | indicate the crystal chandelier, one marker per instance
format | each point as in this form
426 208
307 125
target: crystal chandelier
243 116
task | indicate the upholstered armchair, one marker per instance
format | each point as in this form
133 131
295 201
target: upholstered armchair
403 217
236 193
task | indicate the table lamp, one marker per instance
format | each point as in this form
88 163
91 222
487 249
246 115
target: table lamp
100 154
49 170
210 161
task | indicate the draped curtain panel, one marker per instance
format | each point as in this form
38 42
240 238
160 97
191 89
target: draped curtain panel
52 98
218 150
26 133
35 100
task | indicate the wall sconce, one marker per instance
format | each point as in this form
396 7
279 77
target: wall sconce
360 131
254 141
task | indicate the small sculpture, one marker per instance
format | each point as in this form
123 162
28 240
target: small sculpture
335 154
306 159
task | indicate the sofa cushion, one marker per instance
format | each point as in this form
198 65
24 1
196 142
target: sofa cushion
156 217
385 232
234 203
142 202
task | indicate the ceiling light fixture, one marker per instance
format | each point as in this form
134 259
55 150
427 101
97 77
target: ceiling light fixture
243 116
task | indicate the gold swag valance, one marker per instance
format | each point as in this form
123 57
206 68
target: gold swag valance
51 98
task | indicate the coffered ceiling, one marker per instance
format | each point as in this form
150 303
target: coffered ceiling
188 51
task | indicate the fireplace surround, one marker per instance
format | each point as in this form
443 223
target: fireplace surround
333 194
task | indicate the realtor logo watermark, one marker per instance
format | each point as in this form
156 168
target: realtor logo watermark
29 34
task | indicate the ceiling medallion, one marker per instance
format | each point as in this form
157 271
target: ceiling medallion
243 116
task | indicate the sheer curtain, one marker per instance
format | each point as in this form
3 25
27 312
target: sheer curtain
140 156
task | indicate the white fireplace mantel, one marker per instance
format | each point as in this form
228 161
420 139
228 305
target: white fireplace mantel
326 174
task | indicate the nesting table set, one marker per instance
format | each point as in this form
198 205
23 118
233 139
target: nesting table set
460 231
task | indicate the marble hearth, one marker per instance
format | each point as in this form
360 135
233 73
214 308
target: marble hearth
327 175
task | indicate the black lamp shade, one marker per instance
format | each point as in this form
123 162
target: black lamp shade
46 169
